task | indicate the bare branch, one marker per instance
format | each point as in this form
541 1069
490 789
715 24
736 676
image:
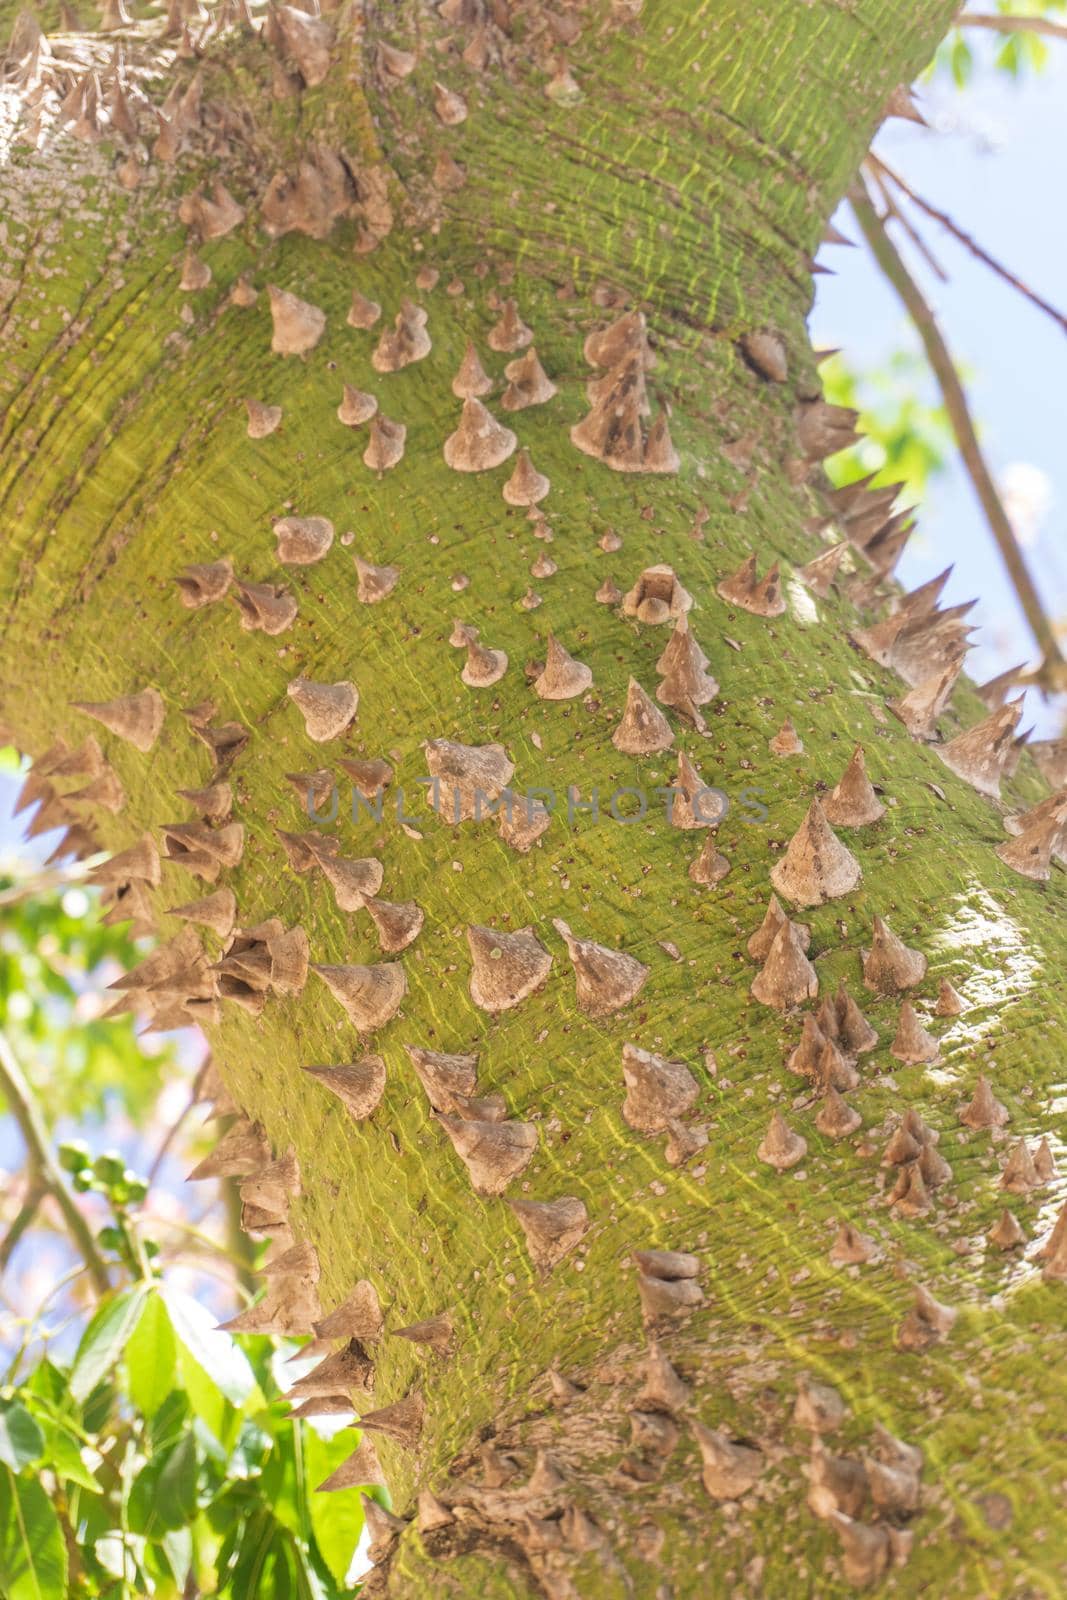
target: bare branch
24 1109
966 240
1054 669
1008 24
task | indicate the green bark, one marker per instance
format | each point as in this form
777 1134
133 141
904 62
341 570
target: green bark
693 179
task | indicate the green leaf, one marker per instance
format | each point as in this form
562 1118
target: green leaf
163 1497
336 1519
211 1349
33 1554
104 1340
151 1356
21 1440
63 1454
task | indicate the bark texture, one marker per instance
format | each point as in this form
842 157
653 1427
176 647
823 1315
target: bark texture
678 159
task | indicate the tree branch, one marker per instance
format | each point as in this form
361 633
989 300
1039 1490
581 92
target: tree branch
1008 24
966 240
24 1109
26 1213
1053 671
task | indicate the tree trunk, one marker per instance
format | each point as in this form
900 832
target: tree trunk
678 159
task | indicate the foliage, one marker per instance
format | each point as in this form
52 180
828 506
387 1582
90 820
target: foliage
1014 54
54 947
905 439
159 1460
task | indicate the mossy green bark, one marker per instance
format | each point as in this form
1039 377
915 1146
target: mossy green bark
693 178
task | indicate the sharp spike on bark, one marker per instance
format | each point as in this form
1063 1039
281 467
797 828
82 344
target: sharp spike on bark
643 730
383 1530
836 1483
1054 1251
361 1467
328 709
506 967
480 442
140 862
609 593
1031 851
1020 1175
370 995
889 966
493 1152
242 1150
949 1003
405 342
818 1408
563 1391
385 447
910 1196
287 1310
432 1514
528 383
307 40
835 1117
663 1389
979 755
760 596
850 1247
710 866
606 979
468 777
445 1078
852 803
216 911
448 174
820 573
526 486
205 583
359 1086
263 420
376 583
1045 1162
135 718
297 325
528 821
368 776
1051 758
509 333
362 313
764 350
449 107
436 1333
657 597
265 607
901 104
302 540
658 1091
786 742
552 1227
780 1146
398 924
816 866
824 429
401 1422
483 666
356 407
359 1317
396 64
920 709
563 678
730 1468
984 1110
105 790
927 1323
912 1044
866 1549
471 380
788 977
775 919
1006 1233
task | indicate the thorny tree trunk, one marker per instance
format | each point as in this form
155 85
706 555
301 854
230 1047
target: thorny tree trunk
679 159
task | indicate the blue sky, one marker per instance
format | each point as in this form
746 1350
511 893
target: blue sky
993 160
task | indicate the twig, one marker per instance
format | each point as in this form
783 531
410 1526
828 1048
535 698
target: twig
1009 24
168 1139
26 1213
24 1109
878 176
1053 672
46 882
967 241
